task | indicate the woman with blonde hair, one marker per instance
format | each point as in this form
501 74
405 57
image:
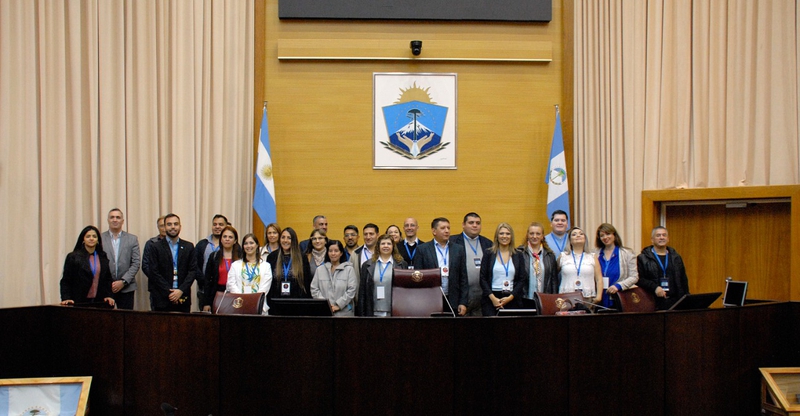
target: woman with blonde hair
580 270
502 276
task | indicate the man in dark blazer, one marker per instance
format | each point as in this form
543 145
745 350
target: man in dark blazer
474 245
171 270
451 258
123 259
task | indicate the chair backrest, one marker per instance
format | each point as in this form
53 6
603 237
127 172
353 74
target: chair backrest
416 292
636 299
550 303
226 303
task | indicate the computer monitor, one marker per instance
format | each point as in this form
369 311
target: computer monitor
698 301
735 293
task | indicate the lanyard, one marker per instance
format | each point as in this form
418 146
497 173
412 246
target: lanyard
382 272
227 263
578 265
474 249
505 265
250 273
658 259
93 265
560 247
446 251
174 248
286 268
607 263
411 254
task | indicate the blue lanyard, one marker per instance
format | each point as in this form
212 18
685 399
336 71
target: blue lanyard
505 265
474 249
446 251
382 272
607 263
93 265
174 248
578 265
410 253
286 268
658 259
227 264
563 242
251 273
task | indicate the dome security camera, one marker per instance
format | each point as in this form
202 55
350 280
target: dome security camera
416 47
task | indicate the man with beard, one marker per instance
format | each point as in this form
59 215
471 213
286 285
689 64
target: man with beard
557 239
350 241
206 247
123 259
171 270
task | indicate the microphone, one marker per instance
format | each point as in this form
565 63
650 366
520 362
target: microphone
168 409
595 305
448 302
221 299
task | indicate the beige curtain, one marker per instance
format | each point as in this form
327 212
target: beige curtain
143 105
681 94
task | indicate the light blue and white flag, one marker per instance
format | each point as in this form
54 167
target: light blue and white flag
40 400
557 189
264 198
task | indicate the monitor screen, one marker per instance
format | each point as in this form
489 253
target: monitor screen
735 293
298 307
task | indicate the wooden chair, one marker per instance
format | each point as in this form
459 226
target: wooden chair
550 303
416 292
226 303
636 299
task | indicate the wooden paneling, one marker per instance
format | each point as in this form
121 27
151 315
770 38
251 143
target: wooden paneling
28 329
502 364
283 366
405 370
320 118
171 358
697 232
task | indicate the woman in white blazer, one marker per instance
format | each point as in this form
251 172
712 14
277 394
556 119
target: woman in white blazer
250 274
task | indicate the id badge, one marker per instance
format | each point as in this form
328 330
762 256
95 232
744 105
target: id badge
286 288
605 282
508 286
445 271
410 267
477 263
381 291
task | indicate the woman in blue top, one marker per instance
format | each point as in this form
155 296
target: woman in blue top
502 275
617 263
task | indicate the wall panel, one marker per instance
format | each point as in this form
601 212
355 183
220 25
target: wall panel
320 117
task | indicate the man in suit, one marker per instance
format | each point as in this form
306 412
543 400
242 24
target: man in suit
474 245
123 259
364 253
319 223
451 259
557 240
408 249
171 269
350 240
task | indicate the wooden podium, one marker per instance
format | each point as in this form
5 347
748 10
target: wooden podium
780 391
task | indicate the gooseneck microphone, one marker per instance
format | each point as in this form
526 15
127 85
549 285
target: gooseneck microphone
448 302
221 299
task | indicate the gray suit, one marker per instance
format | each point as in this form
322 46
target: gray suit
127 265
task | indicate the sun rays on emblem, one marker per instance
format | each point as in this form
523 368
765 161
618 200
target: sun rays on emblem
414 93
266 172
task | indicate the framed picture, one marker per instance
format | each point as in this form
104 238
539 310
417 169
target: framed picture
414 121
44 396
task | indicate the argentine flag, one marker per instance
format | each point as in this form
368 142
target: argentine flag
556 180
40 399
264 198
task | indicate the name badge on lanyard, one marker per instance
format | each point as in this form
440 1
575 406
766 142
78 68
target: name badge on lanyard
380 291
286 288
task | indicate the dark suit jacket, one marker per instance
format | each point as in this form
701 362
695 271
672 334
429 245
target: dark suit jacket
407 251
458 284
520 279
77 278
158 269
485 243
128 264
275 260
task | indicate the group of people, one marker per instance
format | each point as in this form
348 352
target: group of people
479 275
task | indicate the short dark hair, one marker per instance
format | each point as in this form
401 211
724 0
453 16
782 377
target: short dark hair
170 215
373 226
558 212
470 214
351 227
437 220
221 216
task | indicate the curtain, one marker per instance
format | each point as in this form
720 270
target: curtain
681 94
141 105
